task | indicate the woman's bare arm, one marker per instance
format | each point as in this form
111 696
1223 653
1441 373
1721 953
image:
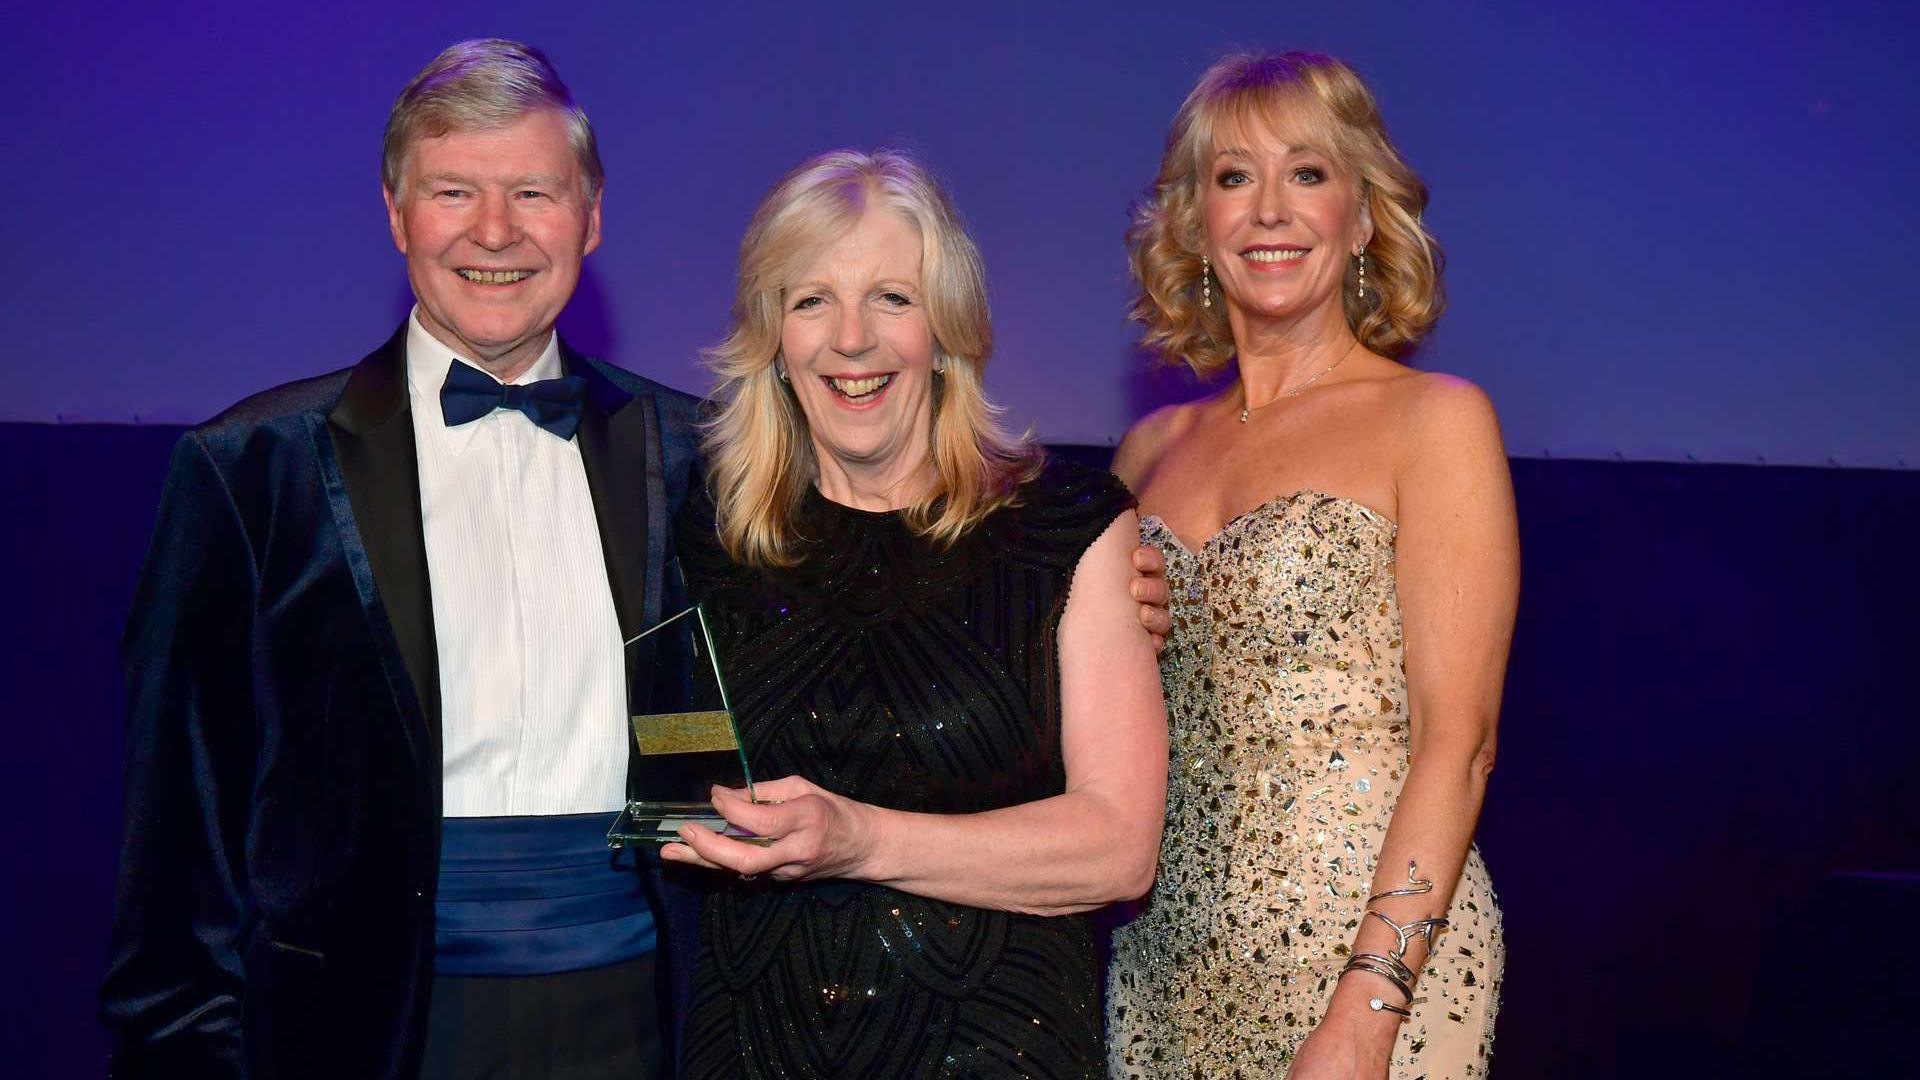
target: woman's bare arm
1458 574
1095 843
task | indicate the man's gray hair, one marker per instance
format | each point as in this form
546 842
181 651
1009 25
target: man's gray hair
481 84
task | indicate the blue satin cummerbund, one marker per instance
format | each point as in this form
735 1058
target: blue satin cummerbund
536 895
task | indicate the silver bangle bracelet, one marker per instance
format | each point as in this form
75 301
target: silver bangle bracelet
1426 928
1378 1005
1393 964
1414 886
1402 985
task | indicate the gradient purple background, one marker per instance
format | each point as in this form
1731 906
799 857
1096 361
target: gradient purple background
1675 230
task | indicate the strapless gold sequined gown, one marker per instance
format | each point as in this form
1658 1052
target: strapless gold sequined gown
1286 695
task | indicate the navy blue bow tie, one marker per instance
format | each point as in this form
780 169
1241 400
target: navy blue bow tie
554 404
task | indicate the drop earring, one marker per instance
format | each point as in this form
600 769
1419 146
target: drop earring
1360 284
1206 282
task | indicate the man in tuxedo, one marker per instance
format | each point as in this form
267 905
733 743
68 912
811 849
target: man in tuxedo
377 691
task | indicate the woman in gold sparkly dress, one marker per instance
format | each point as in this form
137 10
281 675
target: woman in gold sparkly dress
1341 544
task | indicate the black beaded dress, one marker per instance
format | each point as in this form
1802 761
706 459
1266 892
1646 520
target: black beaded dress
898 674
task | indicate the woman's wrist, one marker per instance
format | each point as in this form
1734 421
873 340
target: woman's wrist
1352 1006
868 846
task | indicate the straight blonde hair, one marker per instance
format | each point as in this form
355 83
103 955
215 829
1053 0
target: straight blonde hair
760 453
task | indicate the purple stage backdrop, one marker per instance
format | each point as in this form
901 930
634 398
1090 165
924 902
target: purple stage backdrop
1676 230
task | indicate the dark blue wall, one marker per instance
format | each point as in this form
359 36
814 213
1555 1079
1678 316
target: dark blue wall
1704 806
78 503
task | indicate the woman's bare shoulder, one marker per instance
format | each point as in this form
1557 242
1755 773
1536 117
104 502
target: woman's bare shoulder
1435 403
1446 424
1148 439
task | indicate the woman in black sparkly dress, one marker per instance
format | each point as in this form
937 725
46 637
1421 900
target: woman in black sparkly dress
928 637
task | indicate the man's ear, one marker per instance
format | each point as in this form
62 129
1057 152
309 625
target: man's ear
394 221
593 220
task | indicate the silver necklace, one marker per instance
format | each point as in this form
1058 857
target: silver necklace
1248 410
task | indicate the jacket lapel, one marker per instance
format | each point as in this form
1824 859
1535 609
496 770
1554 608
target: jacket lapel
371 429
619 446
376 469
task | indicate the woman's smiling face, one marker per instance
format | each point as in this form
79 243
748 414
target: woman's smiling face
1282 221
859 350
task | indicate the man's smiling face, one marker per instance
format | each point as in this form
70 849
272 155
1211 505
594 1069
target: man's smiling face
494 223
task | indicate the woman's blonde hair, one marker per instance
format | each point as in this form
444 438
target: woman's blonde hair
759 453
1317 101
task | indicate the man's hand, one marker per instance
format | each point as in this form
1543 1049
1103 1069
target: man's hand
1150 589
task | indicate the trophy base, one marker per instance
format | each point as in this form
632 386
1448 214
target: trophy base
659 823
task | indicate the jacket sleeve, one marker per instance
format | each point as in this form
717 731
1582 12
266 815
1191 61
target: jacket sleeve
175 982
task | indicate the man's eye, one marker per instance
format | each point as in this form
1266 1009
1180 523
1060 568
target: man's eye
533 194
451 193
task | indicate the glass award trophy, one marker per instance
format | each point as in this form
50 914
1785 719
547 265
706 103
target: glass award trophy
679 756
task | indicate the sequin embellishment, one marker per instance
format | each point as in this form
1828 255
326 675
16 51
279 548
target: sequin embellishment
918 677
1286 695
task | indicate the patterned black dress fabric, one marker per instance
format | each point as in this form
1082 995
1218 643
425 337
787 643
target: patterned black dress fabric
918 679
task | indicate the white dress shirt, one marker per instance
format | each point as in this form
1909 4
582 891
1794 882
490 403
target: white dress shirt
532 673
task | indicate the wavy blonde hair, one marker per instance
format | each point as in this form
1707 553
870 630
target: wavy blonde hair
759 451
1317 101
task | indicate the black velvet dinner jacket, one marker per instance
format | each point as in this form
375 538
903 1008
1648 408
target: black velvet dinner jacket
274 911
